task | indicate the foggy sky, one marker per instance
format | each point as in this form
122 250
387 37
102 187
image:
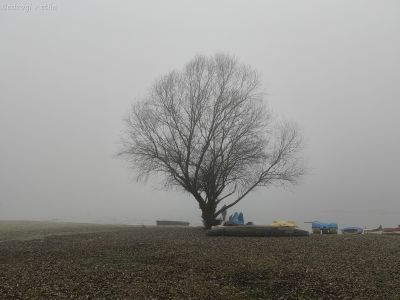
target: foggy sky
69 74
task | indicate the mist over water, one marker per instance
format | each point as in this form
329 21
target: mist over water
70 73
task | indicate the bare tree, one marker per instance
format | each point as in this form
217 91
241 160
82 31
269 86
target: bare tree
208 132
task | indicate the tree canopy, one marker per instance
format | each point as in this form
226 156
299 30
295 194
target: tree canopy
207 130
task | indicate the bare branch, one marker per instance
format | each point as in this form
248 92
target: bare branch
207 130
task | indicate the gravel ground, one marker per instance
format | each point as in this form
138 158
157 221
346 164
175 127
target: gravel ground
184 263
31 230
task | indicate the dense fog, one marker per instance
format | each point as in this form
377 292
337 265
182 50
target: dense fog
71 70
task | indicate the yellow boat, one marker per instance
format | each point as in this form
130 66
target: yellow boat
283 223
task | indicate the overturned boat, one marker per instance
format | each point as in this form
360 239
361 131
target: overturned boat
256 230
395 230
284 223
352 230
235 219
377 230
323 228
172 223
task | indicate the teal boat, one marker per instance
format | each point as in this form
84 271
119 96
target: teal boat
323 228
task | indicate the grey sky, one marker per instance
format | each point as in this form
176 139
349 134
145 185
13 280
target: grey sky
69 74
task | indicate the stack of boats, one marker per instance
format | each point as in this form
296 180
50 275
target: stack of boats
378 230
329 228
277 228
235 226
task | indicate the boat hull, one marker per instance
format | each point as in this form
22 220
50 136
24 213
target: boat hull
394 231
171 223
374 231
352 230
324 228
267 231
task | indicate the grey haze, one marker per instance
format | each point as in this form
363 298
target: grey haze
69 74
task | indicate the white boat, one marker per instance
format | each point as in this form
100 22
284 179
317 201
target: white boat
377 230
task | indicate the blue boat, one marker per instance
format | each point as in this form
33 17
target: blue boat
323 228
352 230
235 219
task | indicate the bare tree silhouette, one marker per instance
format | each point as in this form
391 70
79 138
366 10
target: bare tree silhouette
208 132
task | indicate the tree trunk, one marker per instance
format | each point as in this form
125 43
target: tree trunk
209 219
